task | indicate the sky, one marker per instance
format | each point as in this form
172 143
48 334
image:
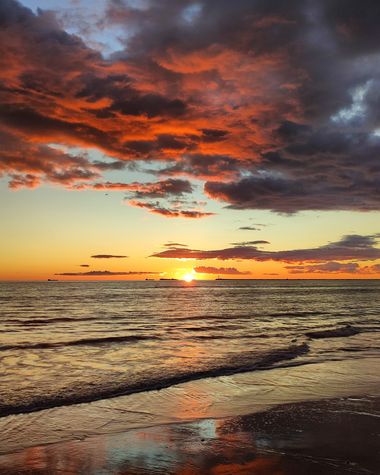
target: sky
189 139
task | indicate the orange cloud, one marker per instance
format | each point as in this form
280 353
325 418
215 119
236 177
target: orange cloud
238 98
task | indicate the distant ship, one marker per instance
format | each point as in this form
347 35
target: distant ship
52 280
162 278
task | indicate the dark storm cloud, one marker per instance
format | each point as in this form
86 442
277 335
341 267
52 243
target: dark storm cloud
274 104
213 135
146 148
206 167
327 161
356 29
351 247
303 176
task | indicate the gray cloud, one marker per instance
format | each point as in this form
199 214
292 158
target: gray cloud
220 270
351 247
105 273
157 208
326 268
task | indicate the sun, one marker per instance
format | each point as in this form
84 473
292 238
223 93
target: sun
188 277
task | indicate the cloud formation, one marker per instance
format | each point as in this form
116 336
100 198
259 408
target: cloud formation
331 267
274 105
159 189
351 247
104 273
108 256
220 270
157 208
334 268
249 228
249 243
298 178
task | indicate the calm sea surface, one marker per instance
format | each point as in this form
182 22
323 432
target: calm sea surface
67 342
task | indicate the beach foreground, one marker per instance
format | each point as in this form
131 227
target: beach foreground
331 437
312 419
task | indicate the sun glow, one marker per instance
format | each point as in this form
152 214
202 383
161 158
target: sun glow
188 277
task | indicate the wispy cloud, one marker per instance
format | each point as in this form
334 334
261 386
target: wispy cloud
333 267
105 273
249 243
108 256
157 208
220 270
159 189
351 247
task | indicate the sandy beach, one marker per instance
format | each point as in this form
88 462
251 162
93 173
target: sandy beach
289 421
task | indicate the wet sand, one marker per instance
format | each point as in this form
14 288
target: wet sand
331 437
196 428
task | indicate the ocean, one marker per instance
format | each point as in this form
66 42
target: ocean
63 343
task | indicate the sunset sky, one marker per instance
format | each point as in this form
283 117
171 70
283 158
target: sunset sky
161 138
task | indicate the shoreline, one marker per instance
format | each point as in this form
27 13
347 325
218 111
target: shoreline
211 402
282 358
330 437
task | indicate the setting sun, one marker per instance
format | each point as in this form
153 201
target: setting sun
188 277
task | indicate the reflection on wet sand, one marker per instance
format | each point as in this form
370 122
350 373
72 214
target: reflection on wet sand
325 438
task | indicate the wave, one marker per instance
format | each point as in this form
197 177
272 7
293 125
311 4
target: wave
265 362
219 327
348 330
80 342
230 337
43 321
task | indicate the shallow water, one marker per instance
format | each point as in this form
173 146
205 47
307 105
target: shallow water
66 342
335 437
